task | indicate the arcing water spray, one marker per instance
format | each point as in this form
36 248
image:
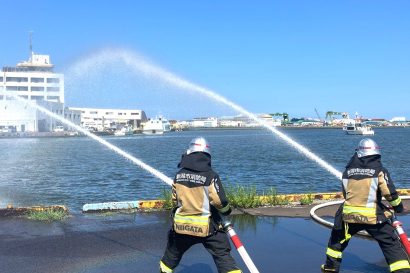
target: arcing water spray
138 64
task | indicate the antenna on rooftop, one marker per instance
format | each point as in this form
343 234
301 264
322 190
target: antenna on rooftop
31 43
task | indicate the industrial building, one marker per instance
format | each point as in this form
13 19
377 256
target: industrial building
102 119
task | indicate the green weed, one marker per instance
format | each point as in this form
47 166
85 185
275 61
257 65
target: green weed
47 215
167 197
243 197
272 198
306 199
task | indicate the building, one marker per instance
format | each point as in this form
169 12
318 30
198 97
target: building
18 117
34 81
245 121
102 119
205 122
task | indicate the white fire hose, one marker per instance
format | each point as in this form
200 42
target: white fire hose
332 203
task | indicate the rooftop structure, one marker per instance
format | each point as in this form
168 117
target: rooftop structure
35 81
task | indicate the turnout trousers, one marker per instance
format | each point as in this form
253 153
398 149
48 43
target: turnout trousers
383 233
217 244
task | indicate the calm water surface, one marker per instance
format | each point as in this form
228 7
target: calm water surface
75 171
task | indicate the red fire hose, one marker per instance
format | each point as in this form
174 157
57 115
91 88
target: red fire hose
239 247
402 235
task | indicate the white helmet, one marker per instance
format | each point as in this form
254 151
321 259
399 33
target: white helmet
367 147
198 144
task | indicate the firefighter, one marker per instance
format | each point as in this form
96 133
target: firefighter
199 199
365 182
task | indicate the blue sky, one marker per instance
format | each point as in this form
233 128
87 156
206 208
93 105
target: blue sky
267 56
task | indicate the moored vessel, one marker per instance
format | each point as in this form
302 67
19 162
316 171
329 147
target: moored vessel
358 129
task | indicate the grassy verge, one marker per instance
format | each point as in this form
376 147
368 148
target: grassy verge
167 197
306 199
247 197
243 197
272 198
47 215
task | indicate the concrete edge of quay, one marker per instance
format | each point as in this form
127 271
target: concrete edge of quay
158 203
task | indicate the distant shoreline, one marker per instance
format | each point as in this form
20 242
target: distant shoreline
284 127
75 134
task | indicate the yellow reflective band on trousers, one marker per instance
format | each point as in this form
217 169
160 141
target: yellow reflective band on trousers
164 268
235 271
402 264
191 219
359 210
395 202
334 253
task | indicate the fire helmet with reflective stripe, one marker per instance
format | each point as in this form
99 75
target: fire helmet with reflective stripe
367 147
199 144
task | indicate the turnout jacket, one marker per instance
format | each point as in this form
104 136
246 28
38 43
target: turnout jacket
365 182
198 195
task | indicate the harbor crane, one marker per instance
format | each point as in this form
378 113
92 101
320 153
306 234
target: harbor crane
284 116
318 116
330 119
330 114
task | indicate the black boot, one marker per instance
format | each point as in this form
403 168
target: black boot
326 269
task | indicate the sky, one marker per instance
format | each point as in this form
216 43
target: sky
286 56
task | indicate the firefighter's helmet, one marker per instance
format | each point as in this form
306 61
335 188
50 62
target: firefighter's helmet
198 144
367 147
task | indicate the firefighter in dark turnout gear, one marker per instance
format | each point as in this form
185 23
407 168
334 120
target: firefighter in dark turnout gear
199 197
365 182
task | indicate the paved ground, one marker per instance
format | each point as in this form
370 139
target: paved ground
97 243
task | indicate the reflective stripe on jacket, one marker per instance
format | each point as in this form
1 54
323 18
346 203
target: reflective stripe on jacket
197 191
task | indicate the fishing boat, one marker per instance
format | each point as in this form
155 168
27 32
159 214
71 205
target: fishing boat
124 131
358 129
156 126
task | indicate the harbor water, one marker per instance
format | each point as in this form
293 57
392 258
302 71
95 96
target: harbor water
73 171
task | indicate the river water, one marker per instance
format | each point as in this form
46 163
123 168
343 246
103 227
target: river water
78 170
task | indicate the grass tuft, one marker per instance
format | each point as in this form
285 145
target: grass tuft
306 199
47 215
272 198
167 197
243 197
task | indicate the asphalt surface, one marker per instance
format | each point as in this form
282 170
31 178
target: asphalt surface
111 243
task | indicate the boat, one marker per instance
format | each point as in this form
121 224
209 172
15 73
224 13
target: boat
124 131
358 129
165 124
156 126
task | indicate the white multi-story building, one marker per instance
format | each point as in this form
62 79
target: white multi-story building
102 119
35 81
204 122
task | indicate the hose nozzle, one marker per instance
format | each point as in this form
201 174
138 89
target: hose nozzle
226 225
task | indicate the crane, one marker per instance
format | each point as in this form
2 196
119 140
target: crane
285 116
318 116
330 114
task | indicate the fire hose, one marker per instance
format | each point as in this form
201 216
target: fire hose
228 228
394 222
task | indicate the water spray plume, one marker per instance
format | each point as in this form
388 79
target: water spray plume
114 148
139 64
